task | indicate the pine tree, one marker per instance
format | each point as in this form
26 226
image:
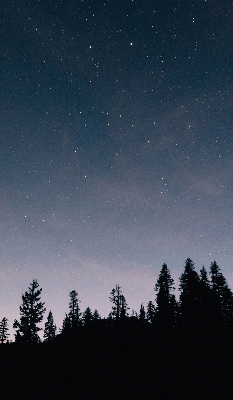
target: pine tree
222 296
189 301
175 310
205 297
50 328
74 313
150 314
66 324
87 316
165 312
115 299
120 307
142 313
123 307
31 312
96 315
4 330
203 276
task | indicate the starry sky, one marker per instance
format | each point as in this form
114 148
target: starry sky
116 147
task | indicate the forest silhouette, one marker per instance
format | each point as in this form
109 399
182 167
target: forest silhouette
172 349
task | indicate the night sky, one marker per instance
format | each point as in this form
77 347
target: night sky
116 147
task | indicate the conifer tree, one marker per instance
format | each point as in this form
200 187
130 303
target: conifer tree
165 312
203 276
189 301
87 316
50 328
31 312
96 315
66 324
74 313
119 307
205 301
142 313
123 307
4 330
150 314
222 295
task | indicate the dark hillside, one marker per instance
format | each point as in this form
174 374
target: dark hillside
121 362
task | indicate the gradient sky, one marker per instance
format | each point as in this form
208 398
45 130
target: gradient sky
116 147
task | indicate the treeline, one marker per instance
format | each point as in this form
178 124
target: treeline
204 309
171 349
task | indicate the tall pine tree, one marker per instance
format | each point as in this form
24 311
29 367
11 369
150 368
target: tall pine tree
222 297
189 301
4 330
31 312
119 307
74 313
205 305
150 314
50 328
142 314
96 315
87 316
165 310
72 319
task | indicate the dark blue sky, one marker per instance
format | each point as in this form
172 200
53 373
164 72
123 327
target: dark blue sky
115 147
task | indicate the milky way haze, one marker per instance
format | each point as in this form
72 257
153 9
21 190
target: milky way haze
116 147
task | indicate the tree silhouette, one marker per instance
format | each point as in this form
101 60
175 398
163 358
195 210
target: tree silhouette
74 313
189 287
96 315
222 297
142 313
165 312
150 314
119 307
31 312
123 307
87 316
205 304
50 328
66 324
4 330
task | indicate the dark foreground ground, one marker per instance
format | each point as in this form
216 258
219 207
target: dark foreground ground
119 364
